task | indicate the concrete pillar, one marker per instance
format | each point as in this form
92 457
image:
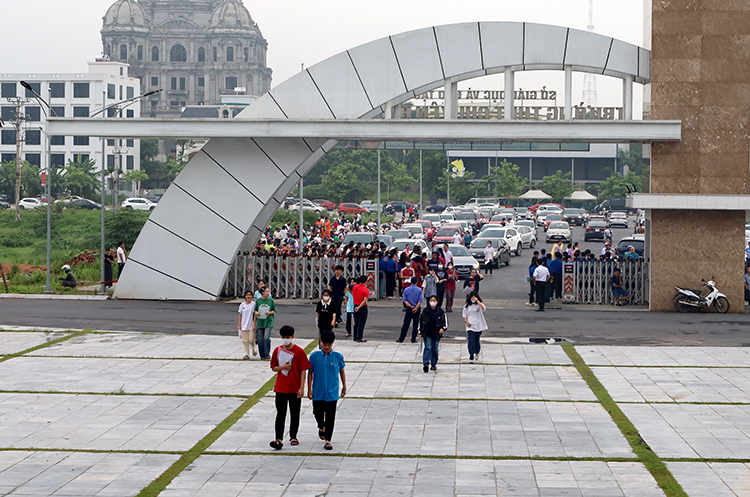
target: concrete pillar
388 113
568 92
451 100
509 95
573 169
627 98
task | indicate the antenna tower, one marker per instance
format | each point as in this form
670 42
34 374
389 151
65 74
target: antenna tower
589 80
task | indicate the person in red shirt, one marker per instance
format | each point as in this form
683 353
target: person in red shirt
360 294
290 363
405 275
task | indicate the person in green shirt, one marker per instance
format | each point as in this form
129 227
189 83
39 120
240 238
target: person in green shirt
265 311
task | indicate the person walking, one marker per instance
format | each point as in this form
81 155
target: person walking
122 256
360 294
430 284
290 364
473 315
326 366
337 285
325 313
450 286
349 307
246 324
432 324
540 277
442 278
265 311
489 256
412 299
473 281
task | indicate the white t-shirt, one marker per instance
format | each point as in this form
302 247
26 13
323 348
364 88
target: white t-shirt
120 255
457 239
475 316
489 253
541 273
448 255
247 311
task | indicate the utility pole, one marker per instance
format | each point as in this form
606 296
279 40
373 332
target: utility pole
19 119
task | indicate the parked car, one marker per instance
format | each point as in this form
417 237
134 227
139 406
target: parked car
67 200
510 235
551 218
638 242
84 203
289 201
616 204
439 207
574 216
435 219
528 236
502 251
446 217
387 239
29 203
401 234
470 217
139 204
463 261
446 232
559 230
428 227
366 204
154 198
595 230
526 222
4 204
4 197
309 207
417 229
618 219
373 208
400 245
360 237
331 206
350 208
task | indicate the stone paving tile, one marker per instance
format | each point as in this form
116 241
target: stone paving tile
112 422
693 430
633 384
420 427
270 476
122 344
12 342
608 355
453 352
151 376
467 381
79 474
717 479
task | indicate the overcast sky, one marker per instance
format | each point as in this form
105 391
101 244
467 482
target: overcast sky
49 36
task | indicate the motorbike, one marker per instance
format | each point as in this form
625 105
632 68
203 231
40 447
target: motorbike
687 299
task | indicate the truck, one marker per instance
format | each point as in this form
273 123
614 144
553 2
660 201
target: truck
616 204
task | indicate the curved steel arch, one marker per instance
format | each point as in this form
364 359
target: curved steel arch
230 190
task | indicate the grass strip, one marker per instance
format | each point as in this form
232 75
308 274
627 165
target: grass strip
73 334
160 483
127 394
648 457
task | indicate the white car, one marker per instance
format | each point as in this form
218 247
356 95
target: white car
511 235
417 229
541 218
139 204
559 231
400 244
29 203
308 206
528 236
618 219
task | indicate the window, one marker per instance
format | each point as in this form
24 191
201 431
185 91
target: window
111 162
230 54
112 112
173 85
33 137
140 52
201 81
34 159
154 103
80 141
57 90
58 111
8 158
81 157
8 137
246 54
57 140
111 91
174 103
129 143
131 113
58 160
123 52
107 51
201 54
80 112
178 54
80 90
215 54
130 162
130 92
154 80
37 87
121 92
182 84
7 113
111 142
231 82
155 54
8 90
33 113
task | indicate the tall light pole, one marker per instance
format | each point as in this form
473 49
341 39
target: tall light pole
380 207
448 177
18 120
420 184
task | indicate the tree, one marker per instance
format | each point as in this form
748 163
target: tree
462 189
136 176
342 183
174 168
505 179
632 158
397 178
558 186
31 181
81 177
617 185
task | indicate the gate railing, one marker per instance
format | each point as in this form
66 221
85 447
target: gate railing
294 277
592 281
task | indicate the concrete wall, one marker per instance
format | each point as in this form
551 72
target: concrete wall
700 75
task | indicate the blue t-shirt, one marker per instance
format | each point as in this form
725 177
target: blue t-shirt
555 266
325 369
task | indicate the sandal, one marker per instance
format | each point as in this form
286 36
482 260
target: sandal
321 434
328 446
276 444
293 441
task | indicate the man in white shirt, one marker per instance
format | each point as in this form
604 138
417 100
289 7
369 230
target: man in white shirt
489 255
122 256
456 238
541 275
447 254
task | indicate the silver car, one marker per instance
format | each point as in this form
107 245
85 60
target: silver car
528 236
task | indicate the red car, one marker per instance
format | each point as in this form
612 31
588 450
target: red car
347 208
446 232
429 229
326 203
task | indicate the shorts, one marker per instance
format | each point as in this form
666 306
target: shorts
619 293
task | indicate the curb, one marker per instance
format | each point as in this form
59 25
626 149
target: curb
35 296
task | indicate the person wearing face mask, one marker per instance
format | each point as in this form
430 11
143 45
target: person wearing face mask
432 325
326 366
406 274
450 286
246 324
489 257
265 312
442 278
412 300
325 312
290 364
473 315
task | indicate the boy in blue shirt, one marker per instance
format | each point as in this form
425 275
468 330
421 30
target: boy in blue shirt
326 366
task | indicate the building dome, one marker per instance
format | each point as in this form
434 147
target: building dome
231 14
126 13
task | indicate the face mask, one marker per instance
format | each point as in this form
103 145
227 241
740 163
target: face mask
440 266
433 304
473 301
326 299
287 342
408 264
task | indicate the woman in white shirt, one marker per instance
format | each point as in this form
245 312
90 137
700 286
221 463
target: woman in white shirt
246 324
473 315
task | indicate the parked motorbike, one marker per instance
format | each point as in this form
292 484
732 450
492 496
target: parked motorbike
687 299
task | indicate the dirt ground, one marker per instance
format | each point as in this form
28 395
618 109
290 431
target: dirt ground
24 268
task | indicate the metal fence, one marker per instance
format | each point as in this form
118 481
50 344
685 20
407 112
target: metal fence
592 281
294 277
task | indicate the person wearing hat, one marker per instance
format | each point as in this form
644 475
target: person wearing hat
606 247
69 281
412 299
617 290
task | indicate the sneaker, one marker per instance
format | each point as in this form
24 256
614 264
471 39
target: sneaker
529 303
433 368
425 367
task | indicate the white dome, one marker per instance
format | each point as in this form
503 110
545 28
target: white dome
125 13
231 14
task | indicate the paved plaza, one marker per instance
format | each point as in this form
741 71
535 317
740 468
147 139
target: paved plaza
108 413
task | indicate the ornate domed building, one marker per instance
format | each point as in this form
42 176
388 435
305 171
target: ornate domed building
196 50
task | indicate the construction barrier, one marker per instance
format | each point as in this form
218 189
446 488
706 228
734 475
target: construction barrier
296 277
591 282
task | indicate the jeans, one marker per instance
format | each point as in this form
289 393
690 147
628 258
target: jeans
295 404
349 321
449 293
120 267
337 309
474 345
325 415
440 294
531 291
408 317
390 283
431 346
360 319
264 341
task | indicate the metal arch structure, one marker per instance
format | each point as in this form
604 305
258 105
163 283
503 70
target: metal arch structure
228 192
